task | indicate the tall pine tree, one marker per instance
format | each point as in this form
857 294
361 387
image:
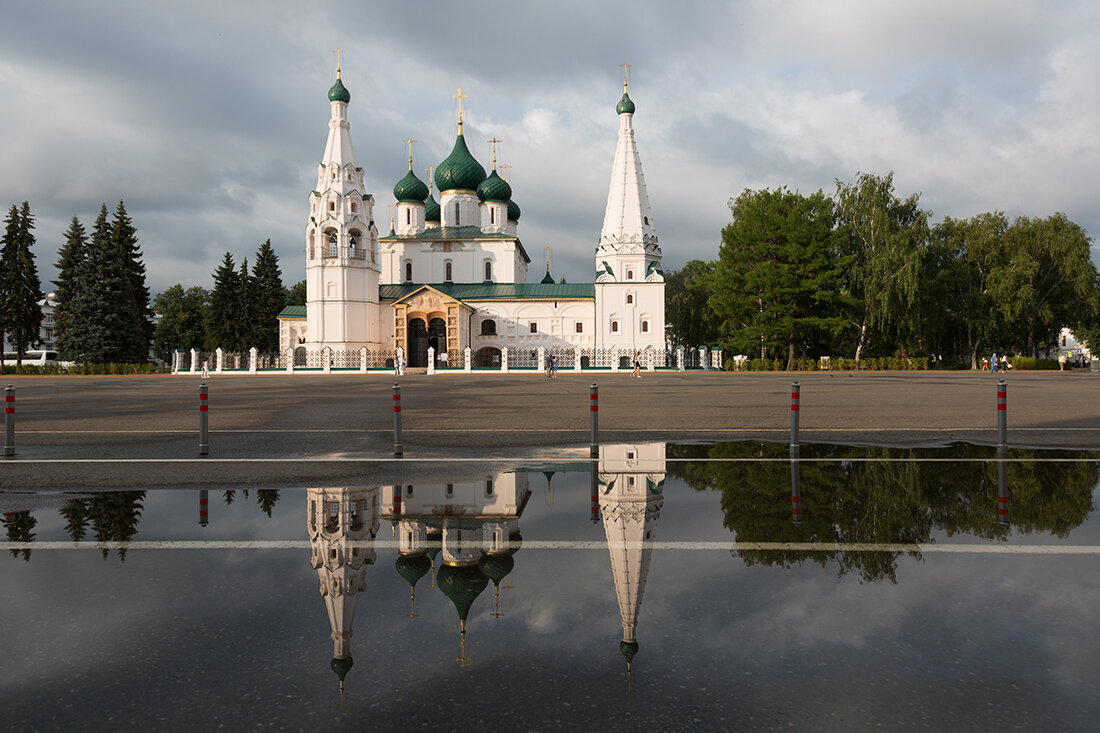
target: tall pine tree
69 260
269 297
20 288
124 238
245 308
223 317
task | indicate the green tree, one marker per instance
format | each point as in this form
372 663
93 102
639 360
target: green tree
885 241
689 319
20 528
269 297
267 499
223 320
777 281
124 238
70 258
20 288
246 297
182 319
296 293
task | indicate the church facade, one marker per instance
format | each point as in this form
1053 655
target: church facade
449 282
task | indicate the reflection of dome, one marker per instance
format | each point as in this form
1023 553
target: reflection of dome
515 541
413 567
339 93
341 667
496 567
435 541
410 190
494 188
628 649
462 585
459 170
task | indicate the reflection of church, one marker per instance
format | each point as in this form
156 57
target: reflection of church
452 275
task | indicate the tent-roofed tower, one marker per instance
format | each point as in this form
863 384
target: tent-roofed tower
341 244
629 280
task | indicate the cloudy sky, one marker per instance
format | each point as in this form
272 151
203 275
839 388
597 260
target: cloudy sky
208 119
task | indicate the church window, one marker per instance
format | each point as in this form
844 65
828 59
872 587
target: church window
448 271
629 274
408 272
409 490
629 298
488 270
630 481
580 327
492 215
645 326
351 246
614 327
645 220
332 206
332 290
331 244
408 216
489 487
534 327
311 250
450 490
456 213
354 208
489 328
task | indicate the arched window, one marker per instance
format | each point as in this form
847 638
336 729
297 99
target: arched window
447 271
408 272
457 209
614 327
645 326
492 215
331 244
332 206
629 274
353 239
629 298
488 487
488 270
645 220
408 216
489 328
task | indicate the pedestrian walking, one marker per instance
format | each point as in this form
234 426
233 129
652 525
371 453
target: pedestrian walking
206 368
637 365
993 363
1061 362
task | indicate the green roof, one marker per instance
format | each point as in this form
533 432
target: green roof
625 106
495 291
410 189
470 232
494 188
459 170
339 93
293 311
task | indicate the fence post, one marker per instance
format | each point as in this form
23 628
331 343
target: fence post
594 411
577 359
204 436
795 400
362 359
326 360
1002 414
290 360
467 362
253 360
431 360
680 358
9 421
398 448
194 360
504 359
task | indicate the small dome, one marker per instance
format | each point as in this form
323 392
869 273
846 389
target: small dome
341 667
628 649
431 213
462 585
459 170
625 106
496 567
513 211
339 92
494 188
413 567
547 279
410 190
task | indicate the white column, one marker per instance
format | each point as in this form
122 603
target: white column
649 358
577 359
253 359
542 357
680 358
326 360
431 360
194 360
467 361
362 359
504 359
290 360
703 357
219 360
615 360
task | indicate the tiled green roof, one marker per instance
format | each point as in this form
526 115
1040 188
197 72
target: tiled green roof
470 232
293 311
496 291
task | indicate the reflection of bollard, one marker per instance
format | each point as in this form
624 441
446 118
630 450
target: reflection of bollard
795 396
9 421
595 516
796 486
1002 486
1002 414
204 504
204 436
397 500
398 448
594 411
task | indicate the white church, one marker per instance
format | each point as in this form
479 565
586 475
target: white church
451 276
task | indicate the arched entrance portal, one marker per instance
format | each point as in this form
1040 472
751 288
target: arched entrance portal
422 336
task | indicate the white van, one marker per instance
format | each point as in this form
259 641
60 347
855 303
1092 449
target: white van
32 356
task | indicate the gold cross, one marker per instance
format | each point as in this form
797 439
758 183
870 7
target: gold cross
505 169
548 259
624 66
410 142
494 142
431 170
459 96
338 52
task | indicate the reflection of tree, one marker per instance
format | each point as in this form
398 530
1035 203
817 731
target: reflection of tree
75 512
878 501
115 516
266 498
229 495
19 526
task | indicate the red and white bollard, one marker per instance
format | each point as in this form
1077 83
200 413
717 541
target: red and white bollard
796 391
595 516
204 506
398 447
204 425
594 411
9 421
1002 414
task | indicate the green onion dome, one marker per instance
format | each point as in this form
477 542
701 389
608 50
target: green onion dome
625 106
462 585
628 649
410 190
341 667
459 170
431 213
339 92
547 279
413 567
496 567
513 211
494 188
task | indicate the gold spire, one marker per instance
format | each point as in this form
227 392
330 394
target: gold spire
462 658
624 66
431 170
504 168
412 603
548 272
409 142
338 53
391 229
494 142
459 96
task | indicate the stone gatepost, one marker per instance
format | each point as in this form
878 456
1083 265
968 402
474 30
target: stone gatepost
542 357
290 360
650 359
194 360
219 361
576 360
362 359
680 358
467 360
703 357
431 360
504 359
253 360
615 356
326 360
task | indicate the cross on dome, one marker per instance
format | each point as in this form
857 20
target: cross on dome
409 142
431 170
459 96
625 67
338 53
494 142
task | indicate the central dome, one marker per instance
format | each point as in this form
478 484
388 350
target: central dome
459 170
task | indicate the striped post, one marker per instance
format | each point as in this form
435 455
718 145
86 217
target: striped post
204 424
1002 414
204 507
594 412
595 515
398 448
796 487
9 421
795 397
397 501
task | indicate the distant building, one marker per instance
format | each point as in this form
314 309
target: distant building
45 331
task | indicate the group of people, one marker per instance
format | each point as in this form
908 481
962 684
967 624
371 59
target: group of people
551 366
995 364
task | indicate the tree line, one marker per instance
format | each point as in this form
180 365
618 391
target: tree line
863 273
